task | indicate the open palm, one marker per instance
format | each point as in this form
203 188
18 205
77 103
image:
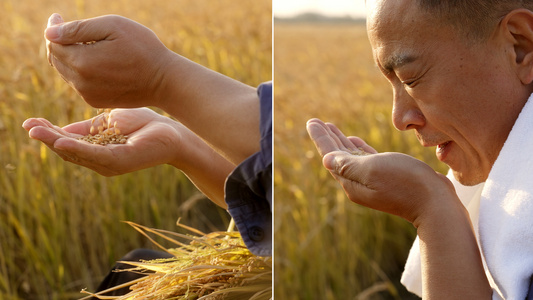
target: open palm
390 182
152 140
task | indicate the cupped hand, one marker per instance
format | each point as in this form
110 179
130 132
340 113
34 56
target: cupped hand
111 61
390 182
152 140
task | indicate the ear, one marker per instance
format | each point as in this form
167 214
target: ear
517 27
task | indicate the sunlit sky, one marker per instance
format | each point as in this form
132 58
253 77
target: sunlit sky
287 8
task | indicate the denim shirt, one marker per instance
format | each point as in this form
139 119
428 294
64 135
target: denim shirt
248 191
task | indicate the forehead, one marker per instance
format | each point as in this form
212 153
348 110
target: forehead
387 15
398 31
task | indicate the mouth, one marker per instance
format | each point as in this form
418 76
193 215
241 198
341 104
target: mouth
440 147
443 146
443 150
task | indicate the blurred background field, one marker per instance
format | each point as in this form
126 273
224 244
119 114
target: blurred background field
325 246
60 224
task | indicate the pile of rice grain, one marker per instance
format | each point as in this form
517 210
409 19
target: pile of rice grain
107 133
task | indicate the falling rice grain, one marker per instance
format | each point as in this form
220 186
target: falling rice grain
106 134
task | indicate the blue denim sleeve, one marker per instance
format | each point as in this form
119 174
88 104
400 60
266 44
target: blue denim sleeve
249 187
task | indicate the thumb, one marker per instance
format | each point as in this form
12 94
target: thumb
54 19
79 31
329 161
339 162
344 165
52 28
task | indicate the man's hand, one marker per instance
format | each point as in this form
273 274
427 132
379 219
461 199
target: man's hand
114 62
110 61
152 140
390 182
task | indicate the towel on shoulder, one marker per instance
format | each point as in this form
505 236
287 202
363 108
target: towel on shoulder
501 210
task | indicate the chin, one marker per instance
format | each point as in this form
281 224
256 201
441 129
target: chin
469 178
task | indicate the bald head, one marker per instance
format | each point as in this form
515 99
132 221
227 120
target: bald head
473 19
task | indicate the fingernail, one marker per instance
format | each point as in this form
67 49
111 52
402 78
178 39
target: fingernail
54 19
54 32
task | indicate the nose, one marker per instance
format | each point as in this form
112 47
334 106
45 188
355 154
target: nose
405 112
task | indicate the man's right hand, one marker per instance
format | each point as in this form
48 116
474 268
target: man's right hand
111 61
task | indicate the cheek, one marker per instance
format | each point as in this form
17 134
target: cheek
462 93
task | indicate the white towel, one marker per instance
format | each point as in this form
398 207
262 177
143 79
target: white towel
504 221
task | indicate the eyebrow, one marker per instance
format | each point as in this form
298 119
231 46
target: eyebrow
397 60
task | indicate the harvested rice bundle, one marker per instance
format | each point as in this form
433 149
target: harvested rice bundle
211 266
107 133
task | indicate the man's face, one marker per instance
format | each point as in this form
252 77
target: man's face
460 97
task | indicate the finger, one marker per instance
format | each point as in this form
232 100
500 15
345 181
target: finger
108 160
75 33
63 68
360 143
357 141
95 157
50 138
82 127
350 171
53 20
83 150
83 31
129 120
323 140
32 122
339 137
342 139
45 134
62 58
78 64
40 122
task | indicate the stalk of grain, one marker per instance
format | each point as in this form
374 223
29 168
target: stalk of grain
211 266
107 133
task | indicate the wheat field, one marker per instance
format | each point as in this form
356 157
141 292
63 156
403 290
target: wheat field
61 225
325 246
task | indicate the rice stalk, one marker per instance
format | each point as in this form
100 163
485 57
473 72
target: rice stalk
209 266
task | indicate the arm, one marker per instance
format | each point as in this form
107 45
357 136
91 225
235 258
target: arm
153 140
403 186
451 262
223 111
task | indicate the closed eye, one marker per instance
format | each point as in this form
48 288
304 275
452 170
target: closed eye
409 83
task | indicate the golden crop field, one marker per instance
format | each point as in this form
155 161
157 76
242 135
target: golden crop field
61 225
325 246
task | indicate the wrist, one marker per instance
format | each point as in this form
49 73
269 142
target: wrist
175 83
184 144
164 81
441 208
